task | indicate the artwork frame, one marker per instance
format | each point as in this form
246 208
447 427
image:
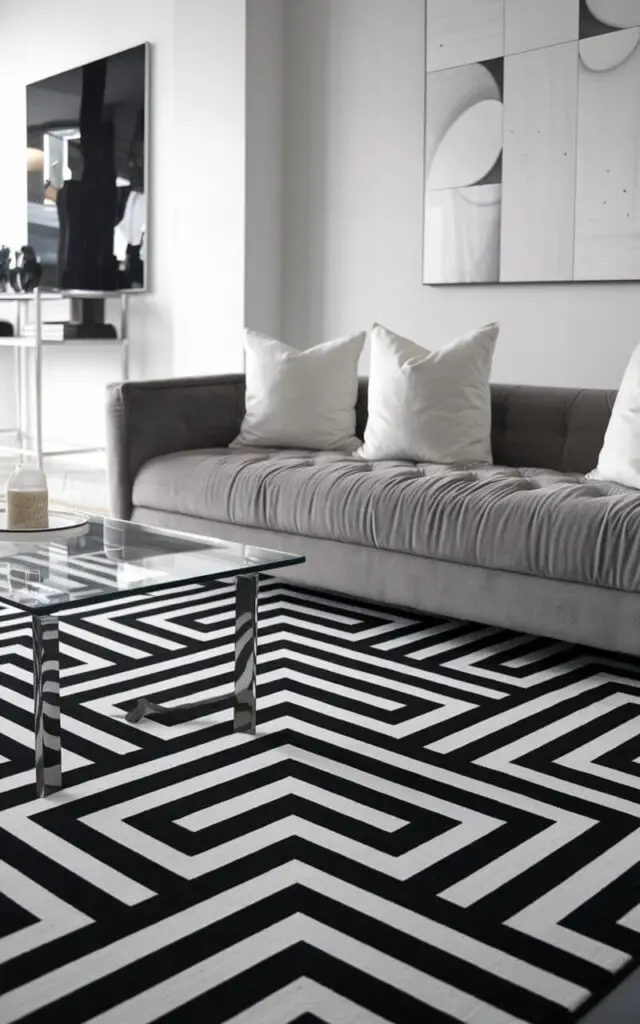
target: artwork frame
527 179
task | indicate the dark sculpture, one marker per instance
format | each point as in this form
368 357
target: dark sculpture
30 269
5 267
27 272
14 274
6 329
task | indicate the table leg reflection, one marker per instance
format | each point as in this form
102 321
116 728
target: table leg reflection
46 681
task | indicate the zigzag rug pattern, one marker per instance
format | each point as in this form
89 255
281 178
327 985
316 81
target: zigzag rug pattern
436 822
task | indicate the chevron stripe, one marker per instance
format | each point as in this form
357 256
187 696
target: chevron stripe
435 821
421 985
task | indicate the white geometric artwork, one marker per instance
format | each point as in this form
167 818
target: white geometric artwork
532 141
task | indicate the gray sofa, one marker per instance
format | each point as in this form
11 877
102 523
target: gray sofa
526 544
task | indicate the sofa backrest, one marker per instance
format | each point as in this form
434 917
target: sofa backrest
551 428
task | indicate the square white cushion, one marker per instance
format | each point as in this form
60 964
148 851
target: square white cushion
300 398
430 406
619 460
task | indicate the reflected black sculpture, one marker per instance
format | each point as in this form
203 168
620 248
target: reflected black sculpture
87 206
87 212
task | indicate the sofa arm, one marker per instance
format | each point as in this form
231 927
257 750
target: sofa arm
156 417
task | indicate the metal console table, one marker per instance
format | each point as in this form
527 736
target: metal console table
29 438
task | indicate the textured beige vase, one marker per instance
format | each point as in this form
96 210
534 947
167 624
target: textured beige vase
27 499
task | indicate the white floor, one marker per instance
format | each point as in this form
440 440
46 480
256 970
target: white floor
74 482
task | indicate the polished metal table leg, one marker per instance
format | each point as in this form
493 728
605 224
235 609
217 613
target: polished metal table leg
244 696
244 699
46 684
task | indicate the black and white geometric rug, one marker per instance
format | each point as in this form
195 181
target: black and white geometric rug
437 822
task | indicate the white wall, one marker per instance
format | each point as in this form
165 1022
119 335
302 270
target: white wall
311 112
34 45
208 186
264 166
192 319
353 179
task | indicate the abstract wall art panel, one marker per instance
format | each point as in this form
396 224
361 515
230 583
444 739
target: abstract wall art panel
532 141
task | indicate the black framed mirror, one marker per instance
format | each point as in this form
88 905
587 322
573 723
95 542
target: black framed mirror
87 173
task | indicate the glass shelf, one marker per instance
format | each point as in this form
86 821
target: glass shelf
29 352
29 341
69 293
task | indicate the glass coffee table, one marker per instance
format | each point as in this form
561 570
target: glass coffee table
82 560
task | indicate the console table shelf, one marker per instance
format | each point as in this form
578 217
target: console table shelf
29 348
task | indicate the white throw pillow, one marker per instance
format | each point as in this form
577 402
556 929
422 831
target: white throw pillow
300 398
619 459
430 406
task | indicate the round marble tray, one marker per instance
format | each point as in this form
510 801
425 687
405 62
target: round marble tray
63 525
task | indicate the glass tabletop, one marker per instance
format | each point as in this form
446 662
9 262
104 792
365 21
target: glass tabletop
113 556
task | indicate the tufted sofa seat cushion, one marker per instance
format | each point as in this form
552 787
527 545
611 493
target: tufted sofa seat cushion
535 521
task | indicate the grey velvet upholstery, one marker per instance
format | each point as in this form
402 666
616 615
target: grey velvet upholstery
575 612
551 428
149 418
526 543
539 522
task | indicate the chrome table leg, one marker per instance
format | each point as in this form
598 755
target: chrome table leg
46 684
244 696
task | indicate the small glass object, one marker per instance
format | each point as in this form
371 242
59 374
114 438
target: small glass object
27 499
